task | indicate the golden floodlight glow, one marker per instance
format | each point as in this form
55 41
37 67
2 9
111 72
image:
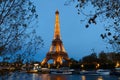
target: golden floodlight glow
117 65
83 77
57 26
98 65
57 51
82 65
100 78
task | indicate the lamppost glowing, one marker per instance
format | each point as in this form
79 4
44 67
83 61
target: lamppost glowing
98 65
82 65
117 65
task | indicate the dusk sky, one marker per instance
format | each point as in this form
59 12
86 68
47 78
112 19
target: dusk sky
77 40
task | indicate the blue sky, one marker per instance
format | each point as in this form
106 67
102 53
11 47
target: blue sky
78 41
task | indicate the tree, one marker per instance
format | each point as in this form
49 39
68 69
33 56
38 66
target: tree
103 57
90 61
74 64
17 34
114 57
106 12
92 58
106 60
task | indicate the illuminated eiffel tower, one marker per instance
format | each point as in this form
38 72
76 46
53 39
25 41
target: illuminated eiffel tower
57 51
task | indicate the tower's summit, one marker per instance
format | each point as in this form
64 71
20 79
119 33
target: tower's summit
57 12
57 51
57 26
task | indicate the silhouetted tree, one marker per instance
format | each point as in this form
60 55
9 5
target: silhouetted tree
17 34
106 12
103 57
105 61
73 60
114 57
74 64
90 61
92 58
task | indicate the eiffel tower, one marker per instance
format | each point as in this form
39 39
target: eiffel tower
57 51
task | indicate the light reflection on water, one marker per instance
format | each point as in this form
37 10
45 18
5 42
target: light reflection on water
83 77
74 77
45 77
100 78
71 77
26 76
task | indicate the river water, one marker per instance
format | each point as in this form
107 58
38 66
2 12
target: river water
33 76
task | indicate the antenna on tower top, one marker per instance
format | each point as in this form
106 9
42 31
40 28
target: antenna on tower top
57 12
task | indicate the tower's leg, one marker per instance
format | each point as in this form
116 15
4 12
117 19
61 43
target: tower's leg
44 61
